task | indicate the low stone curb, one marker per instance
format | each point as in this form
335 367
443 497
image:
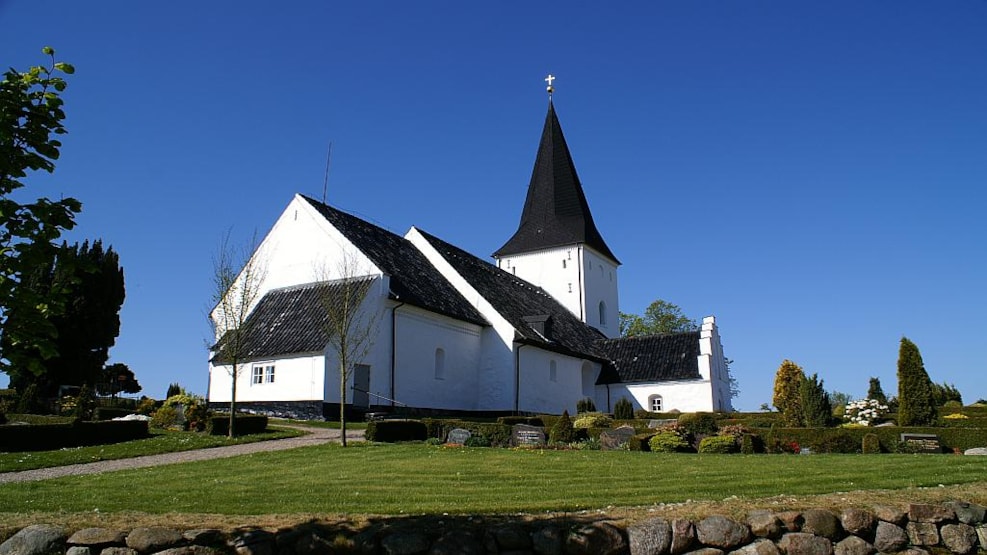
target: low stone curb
956 527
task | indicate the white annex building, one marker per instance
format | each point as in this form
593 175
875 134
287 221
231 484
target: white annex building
533 332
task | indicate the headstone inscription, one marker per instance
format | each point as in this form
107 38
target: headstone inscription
523 434
923 443
458 436
612 439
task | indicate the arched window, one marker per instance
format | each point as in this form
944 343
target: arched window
553 371
440 364
603 314
655 403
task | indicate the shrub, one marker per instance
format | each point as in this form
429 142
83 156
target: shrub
584 405
433 441
165 418
174 389
817 411
562 431
698 423
866 412
529 420
718 445
870 445
43 437
623 409
952 404
916 396
786 398
85 405
668 441
640 442
592 420
747 444
245 424
30 401
477 440
392 431
147 406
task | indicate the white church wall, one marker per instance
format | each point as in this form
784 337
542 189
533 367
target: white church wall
684 396
374 313
712 364
297 378
600 283
302 247
437 360
552 382
554 270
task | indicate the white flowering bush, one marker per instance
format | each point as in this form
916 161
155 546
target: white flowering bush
865 412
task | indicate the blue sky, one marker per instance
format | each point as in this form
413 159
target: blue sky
812 173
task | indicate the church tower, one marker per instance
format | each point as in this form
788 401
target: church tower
557 246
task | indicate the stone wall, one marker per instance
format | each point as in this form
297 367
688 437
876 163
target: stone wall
955 527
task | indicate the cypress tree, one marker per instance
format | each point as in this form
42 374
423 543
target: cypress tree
562 431
916 402
786 397
816 411
875 392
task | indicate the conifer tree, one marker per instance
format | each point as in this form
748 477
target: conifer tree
562 431
916 401
875 392
815 404
786 397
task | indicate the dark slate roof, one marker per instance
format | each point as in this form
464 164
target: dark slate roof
288 321
653 358
555 211
413 278
538 318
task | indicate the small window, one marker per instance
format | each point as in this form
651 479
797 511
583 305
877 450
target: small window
269 374
563 263
553 371
262 373
601 270
655 403
570 287
603 314
258 374
440 364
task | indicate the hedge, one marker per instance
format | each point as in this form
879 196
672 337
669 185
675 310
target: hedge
392 431
109 413
640 442
849 440
245 424
46 437
529 420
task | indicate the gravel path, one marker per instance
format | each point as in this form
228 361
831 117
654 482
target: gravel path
315 436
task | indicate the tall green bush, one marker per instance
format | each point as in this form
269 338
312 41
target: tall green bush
698 423
562 431
870 445
623 409
874 391
916 397
585 405
816 409
786 398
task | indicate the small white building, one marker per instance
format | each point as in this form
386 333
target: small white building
450 332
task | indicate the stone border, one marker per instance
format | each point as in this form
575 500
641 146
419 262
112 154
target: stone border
956 526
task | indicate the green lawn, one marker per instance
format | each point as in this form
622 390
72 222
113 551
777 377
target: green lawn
159 442
415 478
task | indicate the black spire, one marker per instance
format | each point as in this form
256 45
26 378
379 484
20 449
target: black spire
555 212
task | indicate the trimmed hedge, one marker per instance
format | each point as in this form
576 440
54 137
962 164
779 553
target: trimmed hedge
109 413
718 445
850 440
529 420
498 434
245 424
393 431
45 437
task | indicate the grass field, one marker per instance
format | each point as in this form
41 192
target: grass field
415 478
159 442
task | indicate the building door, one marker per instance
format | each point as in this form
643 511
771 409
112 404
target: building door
361 385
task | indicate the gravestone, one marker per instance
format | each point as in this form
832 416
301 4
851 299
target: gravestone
654 424
613 439
523 434
923 443
805 451
458 436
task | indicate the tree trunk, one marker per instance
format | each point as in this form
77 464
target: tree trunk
232 403
342 403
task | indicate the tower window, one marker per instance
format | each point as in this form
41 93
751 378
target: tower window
570 287
655 403
553 371
563 263
603 314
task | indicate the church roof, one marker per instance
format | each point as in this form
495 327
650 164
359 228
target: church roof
652 358
537 317
291 320
555 211
413 278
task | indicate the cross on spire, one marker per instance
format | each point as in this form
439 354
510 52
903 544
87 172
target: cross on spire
549 80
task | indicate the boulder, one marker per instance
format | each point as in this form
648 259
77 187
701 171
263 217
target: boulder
80 550
800 543
118 551
191 550
764 524
759 547
722 533
858 522
205 536
509 537
706 551
982 535
255 542
37 539
930 513
976 451
455 543
683 536
154 538
959 538
894 515
822 523
853 545
968 513
601 538
98 538
650 537
404 543
922 533
547 540
889 538
792 520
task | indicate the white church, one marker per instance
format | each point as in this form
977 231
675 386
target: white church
533 332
